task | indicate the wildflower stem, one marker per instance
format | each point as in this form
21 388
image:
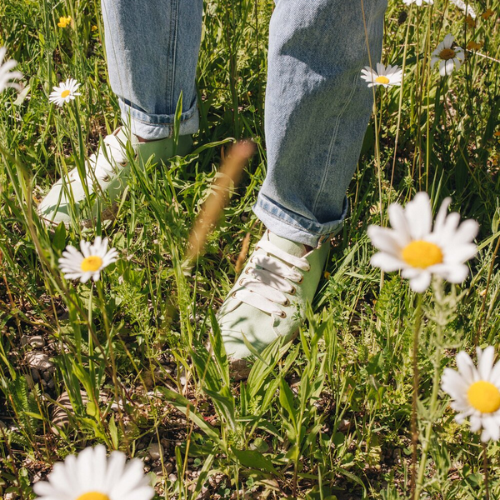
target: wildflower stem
485 467
414 424
438 341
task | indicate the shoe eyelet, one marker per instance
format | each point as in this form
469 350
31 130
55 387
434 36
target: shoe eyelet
123 164
287 303
282 314
241 282
301 280
293 291
106 179
234 295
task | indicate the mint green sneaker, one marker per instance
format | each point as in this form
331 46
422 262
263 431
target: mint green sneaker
269 298
107 174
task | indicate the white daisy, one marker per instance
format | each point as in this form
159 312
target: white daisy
476 392
387 77
467 9
92 476
418 2
448 58
90 262
6 75
413 247
65 92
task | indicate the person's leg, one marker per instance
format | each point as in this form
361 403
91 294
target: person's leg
152 52
317 110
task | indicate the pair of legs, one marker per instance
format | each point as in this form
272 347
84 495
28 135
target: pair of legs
316 112
316 108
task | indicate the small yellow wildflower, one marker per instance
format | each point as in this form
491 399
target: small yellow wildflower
470 22
497 133
326 275
64 21
474 45
94 28
487 14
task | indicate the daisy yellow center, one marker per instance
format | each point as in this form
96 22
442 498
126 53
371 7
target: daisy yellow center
447 54
422 254
91 264
382 79
93 495
484 396
65 93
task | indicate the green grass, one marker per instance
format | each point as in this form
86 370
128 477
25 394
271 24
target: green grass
328 416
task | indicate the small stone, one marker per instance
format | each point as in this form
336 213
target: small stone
35 341
39 360
344 425
35 375
155 451
172 478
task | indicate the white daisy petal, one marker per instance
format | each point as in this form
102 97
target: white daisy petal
452 272
492 427
441 215
421 282
386 262
115 469
133 478
384 239
466 367
475 423
453 383
486 362
142 493
419 215
6 75
399 222
91 471
448 41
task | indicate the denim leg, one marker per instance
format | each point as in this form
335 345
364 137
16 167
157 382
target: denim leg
317 110
152 50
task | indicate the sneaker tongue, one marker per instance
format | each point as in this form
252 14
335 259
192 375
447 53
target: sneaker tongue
296 249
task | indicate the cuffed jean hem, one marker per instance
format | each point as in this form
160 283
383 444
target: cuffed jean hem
296 227
158 126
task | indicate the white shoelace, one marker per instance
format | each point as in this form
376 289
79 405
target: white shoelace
269 277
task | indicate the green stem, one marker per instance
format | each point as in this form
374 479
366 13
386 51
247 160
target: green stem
414 423
485 466
438 340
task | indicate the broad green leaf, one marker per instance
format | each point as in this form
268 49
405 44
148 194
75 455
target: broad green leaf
254 460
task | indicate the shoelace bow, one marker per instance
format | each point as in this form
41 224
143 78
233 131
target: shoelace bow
269 277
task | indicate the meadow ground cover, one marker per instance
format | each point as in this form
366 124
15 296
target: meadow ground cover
113 352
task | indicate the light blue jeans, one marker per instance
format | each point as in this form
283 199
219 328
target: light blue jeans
317 107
